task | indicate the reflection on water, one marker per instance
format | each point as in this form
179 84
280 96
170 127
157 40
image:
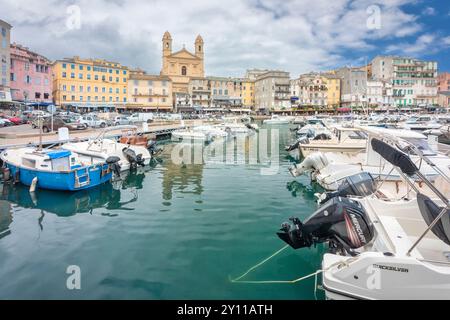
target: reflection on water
181 177
167 232
5 218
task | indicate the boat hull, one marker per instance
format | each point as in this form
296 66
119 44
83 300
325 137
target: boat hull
62 181
307 150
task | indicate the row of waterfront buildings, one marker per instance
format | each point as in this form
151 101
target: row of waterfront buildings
86 84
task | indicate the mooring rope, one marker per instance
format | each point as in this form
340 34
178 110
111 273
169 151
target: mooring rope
314 274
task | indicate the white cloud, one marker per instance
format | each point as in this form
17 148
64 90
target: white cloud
425 44
294 35
429 11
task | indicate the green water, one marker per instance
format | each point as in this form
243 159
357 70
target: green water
172 232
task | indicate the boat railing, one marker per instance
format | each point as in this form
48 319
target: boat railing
407 168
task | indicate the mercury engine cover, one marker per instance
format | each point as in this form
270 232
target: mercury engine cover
341 222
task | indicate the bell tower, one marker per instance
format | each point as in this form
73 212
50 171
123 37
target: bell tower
167 44
199 47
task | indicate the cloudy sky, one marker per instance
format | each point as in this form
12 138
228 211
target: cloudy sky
292 35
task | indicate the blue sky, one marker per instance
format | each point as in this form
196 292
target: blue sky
293 35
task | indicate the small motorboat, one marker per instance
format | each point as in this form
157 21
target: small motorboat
55 169
191 136
276 119
132 151
213 131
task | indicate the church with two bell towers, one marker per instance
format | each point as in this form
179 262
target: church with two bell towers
181 66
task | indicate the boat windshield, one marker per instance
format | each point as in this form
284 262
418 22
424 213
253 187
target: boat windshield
422 145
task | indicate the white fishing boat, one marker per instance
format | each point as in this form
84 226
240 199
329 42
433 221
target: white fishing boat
101 148
276 119
57 169
382 248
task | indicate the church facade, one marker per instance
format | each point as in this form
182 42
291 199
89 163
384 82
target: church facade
182 66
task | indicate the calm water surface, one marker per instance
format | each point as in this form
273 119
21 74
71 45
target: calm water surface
172 232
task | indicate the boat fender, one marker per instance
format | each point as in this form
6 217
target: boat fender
33 185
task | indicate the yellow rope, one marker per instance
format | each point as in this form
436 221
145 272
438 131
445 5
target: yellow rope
344 263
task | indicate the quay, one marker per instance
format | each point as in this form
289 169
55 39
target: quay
158 130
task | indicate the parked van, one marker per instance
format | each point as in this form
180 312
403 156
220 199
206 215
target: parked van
141 117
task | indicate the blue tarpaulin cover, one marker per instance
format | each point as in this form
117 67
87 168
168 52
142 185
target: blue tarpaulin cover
58 154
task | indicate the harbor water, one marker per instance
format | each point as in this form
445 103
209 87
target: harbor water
173 231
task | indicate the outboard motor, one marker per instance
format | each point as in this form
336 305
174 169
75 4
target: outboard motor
360 185
314 162
341 222
133 159
294 146
114 165
152 147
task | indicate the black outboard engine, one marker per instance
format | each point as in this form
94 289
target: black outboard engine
294 146
133 159
341 222
360 185
152 148
114 164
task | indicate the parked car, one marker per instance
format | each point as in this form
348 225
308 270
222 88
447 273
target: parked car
15 120
5 123
61 123
141 117
121 120
35 122
93 121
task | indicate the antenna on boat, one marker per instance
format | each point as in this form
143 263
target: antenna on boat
41 122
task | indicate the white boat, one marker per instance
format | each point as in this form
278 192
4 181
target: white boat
190 136
343 140
213 131
421 123
330 170
276 119
381 248
100 148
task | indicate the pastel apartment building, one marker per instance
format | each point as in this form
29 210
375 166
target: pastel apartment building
90 83
149 92
414 81
5 61
31 76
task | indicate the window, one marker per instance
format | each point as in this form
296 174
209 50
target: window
124 72
103 78
64 87
117 79
72 88
117 71
110 90
13 77
3 32
88 68
104 90
135 91
96 77
80 76
64 98
27 79
124 79
81 67
27 66
73 98
46 96
81 98
117 90
89 77
81 88
124 99
96 89
110 79
72 75
124 91
64 66
89 89
37 95
183 71
89 98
